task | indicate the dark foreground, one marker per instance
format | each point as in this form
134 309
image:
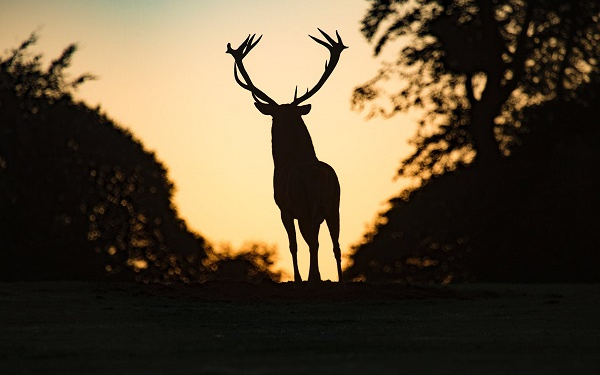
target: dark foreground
228 328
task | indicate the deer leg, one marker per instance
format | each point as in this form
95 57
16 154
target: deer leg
310 233
288 223
333 224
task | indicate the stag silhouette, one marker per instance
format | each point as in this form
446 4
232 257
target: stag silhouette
305 188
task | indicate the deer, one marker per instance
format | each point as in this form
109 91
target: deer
305 188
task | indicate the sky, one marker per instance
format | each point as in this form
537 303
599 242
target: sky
164 75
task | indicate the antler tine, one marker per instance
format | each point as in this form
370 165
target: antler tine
238 55
332 43
329 39
328 46
335 50
249 45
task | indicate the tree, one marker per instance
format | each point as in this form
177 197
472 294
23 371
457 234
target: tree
490 79
80 198
471 67
537 223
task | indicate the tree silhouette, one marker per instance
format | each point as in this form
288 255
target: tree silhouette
80 198
471 67
535 222
490 79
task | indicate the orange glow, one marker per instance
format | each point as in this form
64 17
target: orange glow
164 75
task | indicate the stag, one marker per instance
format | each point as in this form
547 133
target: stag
305 188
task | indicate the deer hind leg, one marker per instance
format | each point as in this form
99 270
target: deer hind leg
333 224
288 223
310 233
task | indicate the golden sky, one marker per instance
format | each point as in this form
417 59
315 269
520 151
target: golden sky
164 75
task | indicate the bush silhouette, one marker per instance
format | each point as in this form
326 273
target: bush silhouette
252 263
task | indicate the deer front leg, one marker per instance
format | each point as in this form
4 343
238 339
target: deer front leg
310 232
288 223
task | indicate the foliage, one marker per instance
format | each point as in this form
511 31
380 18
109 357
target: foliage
252 263
80 197
488 79
34 83
534 220
470 67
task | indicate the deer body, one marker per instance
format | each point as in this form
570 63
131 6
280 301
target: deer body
305 188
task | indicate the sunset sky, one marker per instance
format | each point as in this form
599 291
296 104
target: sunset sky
164 75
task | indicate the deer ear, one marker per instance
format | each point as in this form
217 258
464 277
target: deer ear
265 109
304 109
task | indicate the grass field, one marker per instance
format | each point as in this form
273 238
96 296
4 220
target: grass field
233 328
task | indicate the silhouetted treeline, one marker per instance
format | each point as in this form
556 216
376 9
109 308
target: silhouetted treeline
506 146
80 198
535 219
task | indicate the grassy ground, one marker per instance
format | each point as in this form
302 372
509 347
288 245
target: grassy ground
228 328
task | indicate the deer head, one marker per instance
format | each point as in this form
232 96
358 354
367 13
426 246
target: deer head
263 102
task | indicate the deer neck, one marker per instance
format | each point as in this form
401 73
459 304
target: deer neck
291 144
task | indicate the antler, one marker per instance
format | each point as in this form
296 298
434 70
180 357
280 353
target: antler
335 50
238 55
